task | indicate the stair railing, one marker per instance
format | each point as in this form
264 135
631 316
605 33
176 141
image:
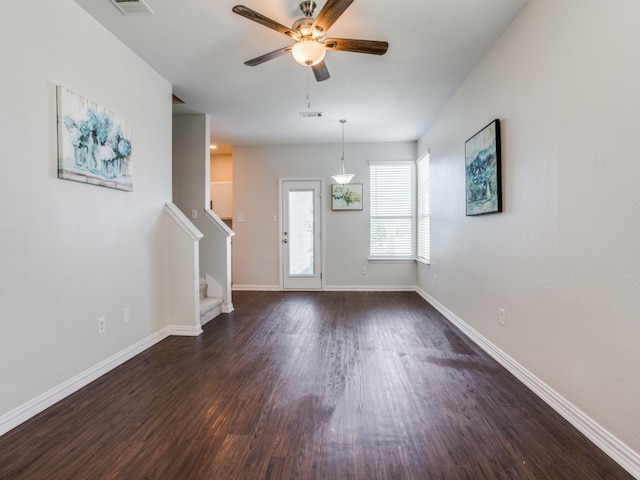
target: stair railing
184 275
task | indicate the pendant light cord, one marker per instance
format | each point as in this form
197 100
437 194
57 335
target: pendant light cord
342 177
343 170
343 122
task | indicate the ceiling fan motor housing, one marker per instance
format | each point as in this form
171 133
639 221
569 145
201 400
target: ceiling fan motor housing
303 26
308 7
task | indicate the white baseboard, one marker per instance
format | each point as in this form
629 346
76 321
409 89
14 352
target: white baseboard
331 288
256 288
24 412
369 288
184 331
626 457
227 307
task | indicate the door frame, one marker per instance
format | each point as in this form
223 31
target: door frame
321 206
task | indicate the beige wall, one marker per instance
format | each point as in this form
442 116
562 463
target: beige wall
221 168
563 258
256 170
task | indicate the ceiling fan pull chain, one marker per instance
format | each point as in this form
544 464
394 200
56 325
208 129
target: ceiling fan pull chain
308 90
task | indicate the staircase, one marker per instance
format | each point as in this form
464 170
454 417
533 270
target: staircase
210 307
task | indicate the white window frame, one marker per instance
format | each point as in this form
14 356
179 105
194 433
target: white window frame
386 257
423 207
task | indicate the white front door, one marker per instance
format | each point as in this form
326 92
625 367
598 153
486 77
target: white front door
301 234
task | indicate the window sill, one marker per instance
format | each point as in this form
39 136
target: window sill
391 259
421 261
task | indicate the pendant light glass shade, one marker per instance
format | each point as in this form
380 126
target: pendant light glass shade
343 177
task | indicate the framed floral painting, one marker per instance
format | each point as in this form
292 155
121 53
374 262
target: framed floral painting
346 197
94 144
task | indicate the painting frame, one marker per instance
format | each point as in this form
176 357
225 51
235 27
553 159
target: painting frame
94 144
483 171
348 196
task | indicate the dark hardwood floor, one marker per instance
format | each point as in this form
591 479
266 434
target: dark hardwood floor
331 385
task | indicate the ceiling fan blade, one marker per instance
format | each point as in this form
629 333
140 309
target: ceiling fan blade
320 71
330 13
267 56
262 20
373 47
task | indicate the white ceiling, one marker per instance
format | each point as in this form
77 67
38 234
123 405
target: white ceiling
200 46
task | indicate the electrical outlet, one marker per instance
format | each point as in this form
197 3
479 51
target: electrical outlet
102 325
194 213
363 270
501 316
125 315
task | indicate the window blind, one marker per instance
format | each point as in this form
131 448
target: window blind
391 203
423 220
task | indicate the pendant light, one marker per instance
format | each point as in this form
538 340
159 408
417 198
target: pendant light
343 177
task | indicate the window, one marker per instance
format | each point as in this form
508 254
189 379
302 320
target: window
392 210
423 221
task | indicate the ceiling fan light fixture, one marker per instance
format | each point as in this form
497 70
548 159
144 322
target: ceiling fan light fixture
308 52
342 177
308 33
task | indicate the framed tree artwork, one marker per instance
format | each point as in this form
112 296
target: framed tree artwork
483 171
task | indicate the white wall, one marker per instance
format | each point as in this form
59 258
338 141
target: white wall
191 163
563 259
191 190
72 252
256 170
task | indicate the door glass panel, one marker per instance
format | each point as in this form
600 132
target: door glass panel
301 234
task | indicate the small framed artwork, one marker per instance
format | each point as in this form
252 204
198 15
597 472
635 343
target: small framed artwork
346 197
483 171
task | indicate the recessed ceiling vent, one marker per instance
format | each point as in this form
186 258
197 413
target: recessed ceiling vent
310 114
132 7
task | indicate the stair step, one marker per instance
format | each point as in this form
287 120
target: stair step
209 303
210 307
203 290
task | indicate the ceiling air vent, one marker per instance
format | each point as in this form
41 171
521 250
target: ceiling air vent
310 114
132 7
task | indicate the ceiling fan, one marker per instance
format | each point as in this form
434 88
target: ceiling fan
310 45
